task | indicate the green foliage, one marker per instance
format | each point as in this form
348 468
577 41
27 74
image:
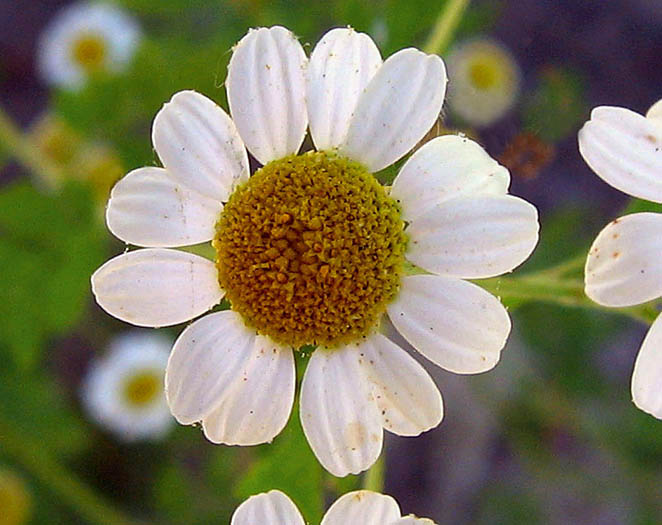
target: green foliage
289 465
557 107
34 405
49 247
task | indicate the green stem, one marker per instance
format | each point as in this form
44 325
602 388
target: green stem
544 287
15 144
445 26
374 478
79 496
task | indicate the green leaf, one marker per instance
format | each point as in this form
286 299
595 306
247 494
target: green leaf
288 465
49 247
36 406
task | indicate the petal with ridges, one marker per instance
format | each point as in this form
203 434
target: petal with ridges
267 92
624 267
156 287
625 150
364 507
655 112
396 109
207 358
446 167
408 400
341 65
474 237
338 413
269 508
260 401
455 324
199 145
647 376
149 208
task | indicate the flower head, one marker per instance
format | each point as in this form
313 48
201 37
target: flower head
361 506
485 81
623 267
123 391
84 38
311 250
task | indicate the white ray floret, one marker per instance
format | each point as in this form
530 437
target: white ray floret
359 507
623 265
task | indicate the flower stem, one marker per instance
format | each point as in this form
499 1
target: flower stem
15 144
445 26
65 485
374 478
545 286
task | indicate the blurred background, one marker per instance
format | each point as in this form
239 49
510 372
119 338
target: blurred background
549 436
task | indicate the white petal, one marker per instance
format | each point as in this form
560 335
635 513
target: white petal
396 109
408 400
413 520
624 266
655 112
647 376
338 413
362 507
199 145
269 508
207 358
156 287
341 65
267 92
474 237
444 168
149 208
455 324
625 150
260 401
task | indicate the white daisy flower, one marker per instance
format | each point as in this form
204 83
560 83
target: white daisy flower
485 81
123 391
359 507
624 267
311 249
84 38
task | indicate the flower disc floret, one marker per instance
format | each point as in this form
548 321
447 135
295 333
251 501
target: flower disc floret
310 250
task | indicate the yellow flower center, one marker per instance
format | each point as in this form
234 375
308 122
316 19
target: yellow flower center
485 72
15 500
310 250
142 388
89 52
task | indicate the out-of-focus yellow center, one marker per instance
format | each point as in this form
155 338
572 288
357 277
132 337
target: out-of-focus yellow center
310 250
142 388
15 500
89 52
485 72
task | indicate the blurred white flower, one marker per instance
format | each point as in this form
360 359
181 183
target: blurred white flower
361 507
624 264
84 38
484 81
311 249
124 390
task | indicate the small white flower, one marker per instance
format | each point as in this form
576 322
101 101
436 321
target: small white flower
624 267
484 83
361 507
123 391
311 249
83 38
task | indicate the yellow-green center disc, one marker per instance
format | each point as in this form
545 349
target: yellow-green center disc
310 250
